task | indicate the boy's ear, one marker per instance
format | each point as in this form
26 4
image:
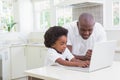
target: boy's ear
77 24
53 46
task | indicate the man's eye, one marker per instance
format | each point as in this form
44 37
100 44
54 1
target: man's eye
90 30
83 30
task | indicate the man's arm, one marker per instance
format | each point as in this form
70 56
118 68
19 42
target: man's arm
70 48
76 56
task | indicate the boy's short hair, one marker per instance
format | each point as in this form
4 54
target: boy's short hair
52 35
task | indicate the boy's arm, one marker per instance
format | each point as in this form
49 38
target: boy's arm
72 63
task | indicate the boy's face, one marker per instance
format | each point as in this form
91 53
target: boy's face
60 44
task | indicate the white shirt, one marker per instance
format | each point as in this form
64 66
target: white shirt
53 55
79 45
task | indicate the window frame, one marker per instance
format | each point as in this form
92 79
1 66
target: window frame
53 16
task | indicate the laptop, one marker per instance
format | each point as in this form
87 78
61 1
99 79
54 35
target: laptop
102 57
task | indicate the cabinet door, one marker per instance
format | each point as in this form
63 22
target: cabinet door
43 52
18 61
35 56
5 65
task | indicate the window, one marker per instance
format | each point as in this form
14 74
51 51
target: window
63 15
42 15
47 14
116 13
6 16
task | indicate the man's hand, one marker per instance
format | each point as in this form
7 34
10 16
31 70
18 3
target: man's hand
88 54
86 57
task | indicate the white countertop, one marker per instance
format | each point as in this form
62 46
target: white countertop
60 73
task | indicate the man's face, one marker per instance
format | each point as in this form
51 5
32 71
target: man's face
85 30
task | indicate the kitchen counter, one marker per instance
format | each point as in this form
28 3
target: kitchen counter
59 73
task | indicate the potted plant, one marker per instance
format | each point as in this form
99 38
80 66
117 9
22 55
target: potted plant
9 23
10 26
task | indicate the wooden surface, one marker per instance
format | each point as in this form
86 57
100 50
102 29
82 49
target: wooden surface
32 78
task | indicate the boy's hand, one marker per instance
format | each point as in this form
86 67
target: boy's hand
83 64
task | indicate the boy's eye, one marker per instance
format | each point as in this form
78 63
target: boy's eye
63 43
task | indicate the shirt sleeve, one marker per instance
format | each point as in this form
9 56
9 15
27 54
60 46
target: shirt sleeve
101 34
52 57
67 26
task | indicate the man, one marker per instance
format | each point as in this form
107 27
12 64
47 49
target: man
83 34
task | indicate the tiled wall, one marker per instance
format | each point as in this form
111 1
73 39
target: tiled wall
96 11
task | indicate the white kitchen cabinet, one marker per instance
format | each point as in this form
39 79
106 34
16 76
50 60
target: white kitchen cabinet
5 63
18 61
35 55
15 59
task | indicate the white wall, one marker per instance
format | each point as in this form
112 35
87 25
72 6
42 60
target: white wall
107 13
113 35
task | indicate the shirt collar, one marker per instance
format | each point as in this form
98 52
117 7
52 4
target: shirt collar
57 51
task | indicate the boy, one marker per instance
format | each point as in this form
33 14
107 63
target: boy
56 39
